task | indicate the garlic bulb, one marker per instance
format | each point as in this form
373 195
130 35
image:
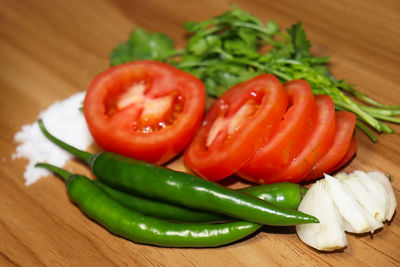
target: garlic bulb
358 202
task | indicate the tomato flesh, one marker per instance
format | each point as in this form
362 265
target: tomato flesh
238 123
345 124
226 126
290 137
147 110
150 113
153 110
347 157
317 145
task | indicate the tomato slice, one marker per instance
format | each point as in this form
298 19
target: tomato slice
347 157
317 145
290 137
238 123
147 110
345 123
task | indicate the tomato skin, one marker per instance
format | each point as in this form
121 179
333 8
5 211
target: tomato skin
290 137
113 128
352 150
345 124
317 145
228 152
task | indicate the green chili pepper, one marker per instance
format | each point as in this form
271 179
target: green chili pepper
285 195
159 209
180 188
140 228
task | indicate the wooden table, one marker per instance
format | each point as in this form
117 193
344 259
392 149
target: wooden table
50 50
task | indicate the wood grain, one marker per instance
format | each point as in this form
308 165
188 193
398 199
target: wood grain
52 49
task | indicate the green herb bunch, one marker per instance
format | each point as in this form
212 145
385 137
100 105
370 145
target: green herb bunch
228 49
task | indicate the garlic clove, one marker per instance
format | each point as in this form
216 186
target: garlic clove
329 234
384 181
374 187
372 204
353 214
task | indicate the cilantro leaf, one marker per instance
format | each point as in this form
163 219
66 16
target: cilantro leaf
229 49
301 44
143 45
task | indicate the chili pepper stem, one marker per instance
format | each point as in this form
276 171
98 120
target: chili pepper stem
60 172
83 155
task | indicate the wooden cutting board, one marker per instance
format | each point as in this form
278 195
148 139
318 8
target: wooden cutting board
50 50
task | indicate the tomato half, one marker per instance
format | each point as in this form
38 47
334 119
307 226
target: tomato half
147 110
317 145
345 123
290 137
238 123
347 157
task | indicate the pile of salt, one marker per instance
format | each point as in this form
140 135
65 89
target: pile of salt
65 121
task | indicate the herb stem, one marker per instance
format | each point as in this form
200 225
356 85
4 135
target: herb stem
277 73
369 100
381 111
353 107
367 131
387 118
189 64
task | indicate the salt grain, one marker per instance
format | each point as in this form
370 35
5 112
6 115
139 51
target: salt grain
65 121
